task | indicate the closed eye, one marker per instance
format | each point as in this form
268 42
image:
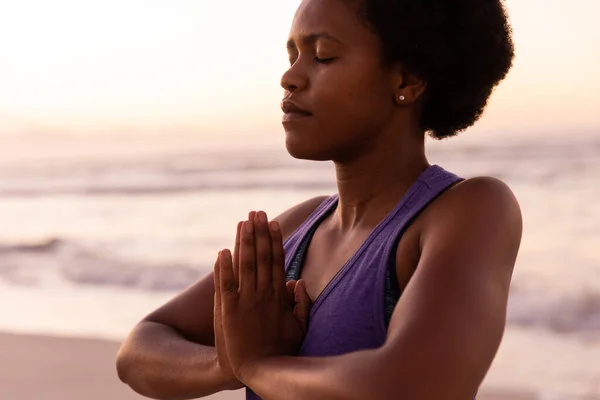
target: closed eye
324 60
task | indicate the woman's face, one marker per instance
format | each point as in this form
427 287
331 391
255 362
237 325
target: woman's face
338 95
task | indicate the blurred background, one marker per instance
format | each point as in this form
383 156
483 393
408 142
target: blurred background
135 134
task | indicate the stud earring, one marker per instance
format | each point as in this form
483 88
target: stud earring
401 98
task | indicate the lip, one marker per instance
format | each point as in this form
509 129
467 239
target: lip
292 111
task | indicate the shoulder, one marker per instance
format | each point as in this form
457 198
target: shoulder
478 218
293 217
486 188
484 201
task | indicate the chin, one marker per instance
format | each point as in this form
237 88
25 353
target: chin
303 147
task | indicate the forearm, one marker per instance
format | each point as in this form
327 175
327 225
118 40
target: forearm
347 377
367 374
157 362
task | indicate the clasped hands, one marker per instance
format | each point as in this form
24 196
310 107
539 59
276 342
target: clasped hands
257 314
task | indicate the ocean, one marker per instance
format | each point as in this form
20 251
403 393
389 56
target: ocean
97 231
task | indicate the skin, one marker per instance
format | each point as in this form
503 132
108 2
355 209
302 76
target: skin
171 353
454 262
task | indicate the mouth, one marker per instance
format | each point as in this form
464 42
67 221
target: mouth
293 112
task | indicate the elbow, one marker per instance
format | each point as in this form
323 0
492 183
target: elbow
127 360
129 366
135 367
129 372
123 363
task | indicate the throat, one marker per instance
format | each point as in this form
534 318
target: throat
364 200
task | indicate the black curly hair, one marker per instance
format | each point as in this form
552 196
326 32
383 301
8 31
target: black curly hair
461 48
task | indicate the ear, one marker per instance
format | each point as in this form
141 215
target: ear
408 87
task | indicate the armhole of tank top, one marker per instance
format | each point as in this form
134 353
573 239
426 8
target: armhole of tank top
299 255
392 290
294 241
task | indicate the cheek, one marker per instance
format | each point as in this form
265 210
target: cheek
348 108
351 98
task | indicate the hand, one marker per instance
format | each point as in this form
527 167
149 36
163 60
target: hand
257 318
222 358
220 346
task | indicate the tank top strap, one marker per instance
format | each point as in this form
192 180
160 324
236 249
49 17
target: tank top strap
292 243
432 183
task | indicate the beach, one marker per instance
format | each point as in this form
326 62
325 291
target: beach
136 135
98 232
52 368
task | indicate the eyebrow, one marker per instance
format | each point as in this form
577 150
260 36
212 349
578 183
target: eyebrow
312 38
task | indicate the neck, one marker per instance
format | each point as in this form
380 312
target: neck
370 185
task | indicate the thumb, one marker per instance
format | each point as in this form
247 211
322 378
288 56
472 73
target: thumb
302 304
290 288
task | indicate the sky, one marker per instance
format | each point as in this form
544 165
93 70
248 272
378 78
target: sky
136 66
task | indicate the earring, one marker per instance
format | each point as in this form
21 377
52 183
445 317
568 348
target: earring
401 98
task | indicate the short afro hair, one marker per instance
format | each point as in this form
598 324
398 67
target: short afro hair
461 48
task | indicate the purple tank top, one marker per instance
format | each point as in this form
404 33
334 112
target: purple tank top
349 314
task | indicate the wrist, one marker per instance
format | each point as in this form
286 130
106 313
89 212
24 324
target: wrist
246 372
226 381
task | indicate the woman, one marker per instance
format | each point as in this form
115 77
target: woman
407 267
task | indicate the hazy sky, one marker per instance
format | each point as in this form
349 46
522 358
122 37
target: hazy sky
136 65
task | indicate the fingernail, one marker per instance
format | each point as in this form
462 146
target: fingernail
262 216
274 226
249 226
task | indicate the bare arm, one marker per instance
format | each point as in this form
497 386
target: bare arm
170 355
448 324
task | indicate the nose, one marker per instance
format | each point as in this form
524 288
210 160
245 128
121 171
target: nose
294 78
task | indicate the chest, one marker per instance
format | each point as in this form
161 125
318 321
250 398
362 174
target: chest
327 255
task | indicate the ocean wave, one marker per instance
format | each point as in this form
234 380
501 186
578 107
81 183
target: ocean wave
226 169
559 312
58 261
158 179
94 189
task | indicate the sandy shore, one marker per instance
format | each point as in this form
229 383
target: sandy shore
48 368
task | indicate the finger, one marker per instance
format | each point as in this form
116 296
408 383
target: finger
228 285
217 281
238 239
217 306
278 258
302 304
236 251
290 287
264 266
247 260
